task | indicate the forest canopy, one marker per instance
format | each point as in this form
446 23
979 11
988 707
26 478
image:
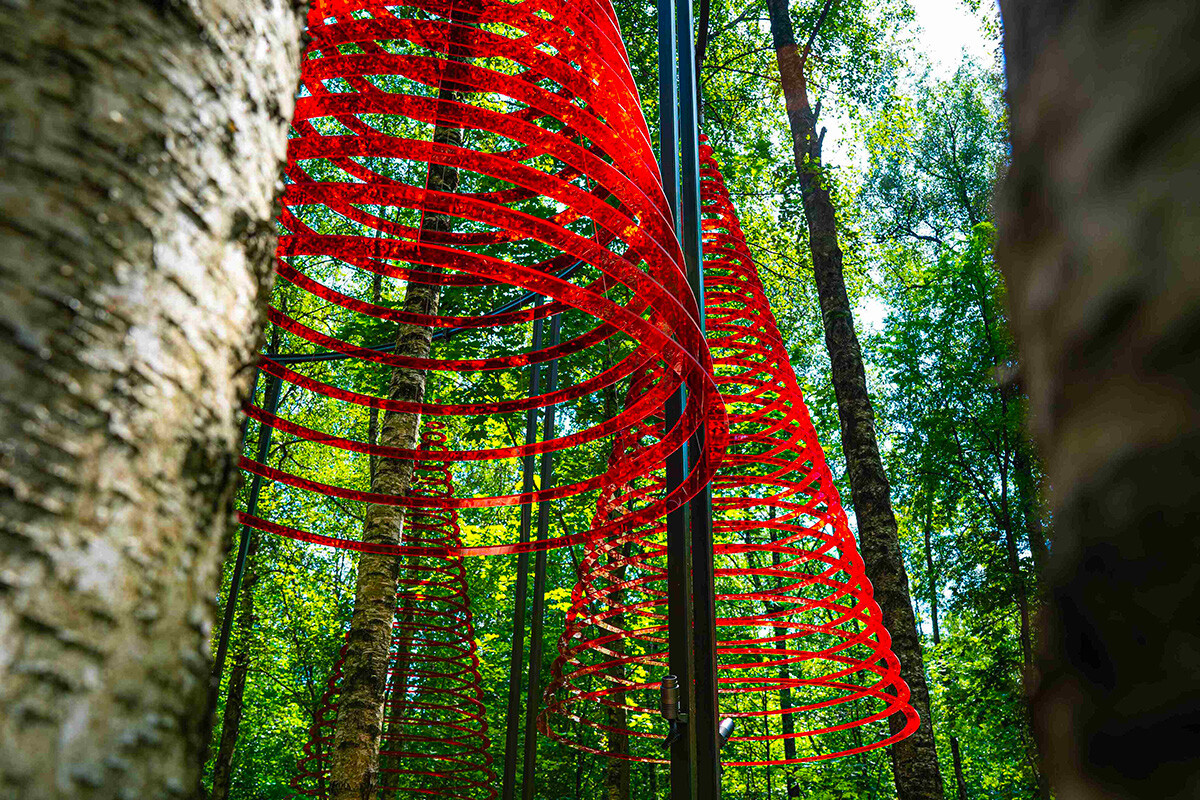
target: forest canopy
911 154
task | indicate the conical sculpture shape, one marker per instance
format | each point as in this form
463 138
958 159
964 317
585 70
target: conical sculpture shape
547 188
435 741
805 665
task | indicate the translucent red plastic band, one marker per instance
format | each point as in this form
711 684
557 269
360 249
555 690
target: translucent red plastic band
494 151
435 740
805 664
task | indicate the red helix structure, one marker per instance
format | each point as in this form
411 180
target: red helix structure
495 152
492 156
805 664
435 734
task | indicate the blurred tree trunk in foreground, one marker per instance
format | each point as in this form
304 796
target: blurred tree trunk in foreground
142 144
1100 220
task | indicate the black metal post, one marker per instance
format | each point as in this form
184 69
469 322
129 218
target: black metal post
668 105
677 135
512 717
532 699
679 614
271 405
704 713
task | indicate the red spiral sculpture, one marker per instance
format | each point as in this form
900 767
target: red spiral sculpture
496 151
804 660
435 740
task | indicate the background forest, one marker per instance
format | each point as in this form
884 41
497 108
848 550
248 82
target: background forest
912 154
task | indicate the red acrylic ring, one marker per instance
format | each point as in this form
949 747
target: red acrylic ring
556 169
795 610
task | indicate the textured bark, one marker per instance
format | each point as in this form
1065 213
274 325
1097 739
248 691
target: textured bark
232 720
354 768
1099 218
142 144
914 760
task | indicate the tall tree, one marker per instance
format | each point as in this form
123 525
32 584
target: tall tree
954 411
1099 218
914 760
354 772
142 143
231 719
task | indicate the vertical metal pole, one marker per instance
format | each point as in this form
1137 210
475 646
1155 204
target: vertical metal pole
704 713
668 105
512 717
679 548
532 699
679 615
271 405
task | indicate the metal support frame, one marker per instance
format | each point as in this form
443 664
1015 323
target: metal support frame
695 757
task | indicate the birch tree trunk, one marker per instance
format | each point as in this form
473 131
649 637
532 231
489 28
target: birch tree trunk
1099 221
354 767
914 760
142 144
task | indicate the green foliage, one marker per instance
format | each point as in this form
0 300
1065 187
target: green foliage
952 415
913 196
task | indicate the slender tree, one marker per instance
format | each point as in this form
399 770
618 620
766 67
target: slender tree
141 145
354 767
1099 218
235 698
914 760
934 586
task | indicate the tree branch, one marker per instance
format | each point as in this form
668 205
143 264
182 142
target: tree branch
702 35
812 36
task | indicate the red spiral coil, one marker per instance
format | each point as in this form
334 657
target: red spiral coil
435 740
803 653
558 194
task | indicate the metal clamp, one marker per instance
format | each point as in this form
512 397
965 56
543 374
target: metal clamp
669 707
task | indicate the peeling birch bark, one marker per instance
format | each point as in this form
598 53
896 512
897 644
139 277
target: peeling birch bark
142 145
